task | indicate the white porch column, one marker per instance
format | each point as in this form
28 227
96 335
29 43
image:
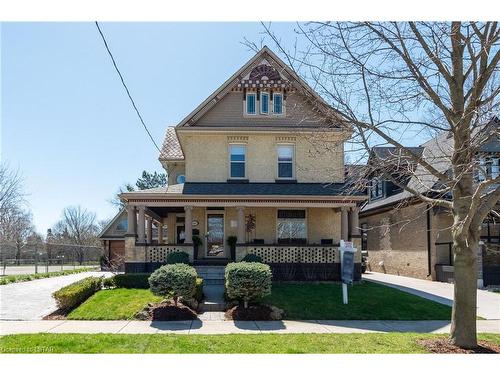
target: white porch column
344 224
140 225
355 221
188 224
149 232
131 220
159 225
241 225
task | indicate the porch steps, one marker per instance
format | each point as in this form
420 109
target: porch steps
213 298
212 275
213 287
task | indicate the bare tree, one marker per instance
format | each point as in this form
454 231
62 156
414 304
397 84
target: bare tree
77 226
388 81
11 192
16 227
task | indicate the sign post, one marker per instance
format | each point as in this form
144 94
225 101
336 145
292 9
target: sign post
346 267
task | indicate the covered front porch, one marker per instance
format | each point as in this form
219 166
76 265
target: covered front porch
281 230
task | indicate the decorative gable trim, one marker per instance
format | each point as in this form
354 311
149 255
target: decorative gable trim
285 139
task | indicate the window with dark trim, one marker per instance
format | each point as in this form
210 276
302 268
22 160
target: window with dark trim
291 227
376 189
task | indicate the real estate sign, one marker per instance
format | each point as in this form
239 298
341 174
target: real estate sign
346 266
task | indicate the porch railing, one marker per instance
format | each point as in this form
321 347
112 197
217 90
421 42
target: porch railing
291 253
158 253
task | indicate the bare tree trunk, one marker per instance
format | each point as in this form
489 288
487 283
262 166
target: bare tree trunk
463 326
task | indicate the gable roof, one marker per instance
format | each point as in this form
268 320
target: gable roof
171 148
110 224
264 53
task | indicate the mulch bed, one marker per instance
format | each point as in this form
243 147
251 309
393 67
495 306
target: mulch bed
167 311
59 314
444 346
253 312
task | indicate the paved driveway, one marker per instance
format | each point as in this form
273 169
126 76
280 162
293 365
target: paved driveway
488 303
32 300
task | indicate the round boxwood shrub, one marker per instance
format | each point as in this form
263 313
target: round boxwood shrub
177 257
252 258
247 281
174 280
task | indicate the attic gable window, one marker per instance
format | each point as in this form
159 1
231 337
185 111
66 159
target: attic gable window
264 103
376 189
251 101
278 104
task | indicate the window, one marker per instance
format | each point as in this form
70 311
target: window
285 161
278 104
251 100
489 168
264 103
376 189
291 227
181 179
237 161
122 225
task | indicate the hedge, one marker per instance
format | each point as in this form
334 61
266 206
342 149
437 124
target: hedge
252 258
132 280
74 294
42 275
178 257
247 281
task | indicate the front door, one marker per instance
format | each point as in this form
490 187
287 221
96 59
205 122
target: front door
215 235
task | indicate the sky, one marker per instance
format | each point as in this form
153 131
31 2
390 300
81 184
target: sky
66 122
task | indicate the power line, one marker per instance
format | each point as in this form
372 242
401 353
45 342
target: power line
125 86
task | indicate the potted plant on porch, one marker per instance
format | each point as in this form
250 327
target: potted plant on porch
231 240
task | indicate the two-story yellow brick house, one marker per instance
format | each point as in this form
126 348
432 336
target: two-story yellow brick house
247 163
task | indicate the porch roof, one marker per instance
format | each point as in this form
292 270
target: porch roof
253 189
247 194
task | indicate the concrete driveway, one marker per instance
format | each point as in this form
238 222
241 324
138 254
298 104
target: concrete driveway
488 303
32 300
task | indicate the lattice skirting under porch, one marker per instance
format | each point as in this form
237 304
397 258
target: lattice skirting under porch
295 254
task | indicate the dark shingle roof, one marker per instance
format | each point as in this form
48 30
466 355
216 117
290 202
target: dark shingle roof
171 149
393 152
271 188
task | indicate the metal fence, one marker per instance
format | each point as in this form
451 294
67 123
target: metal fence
33 266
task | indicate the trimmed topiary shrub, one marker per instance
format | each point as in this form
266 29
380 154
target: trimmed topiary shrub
252 258
74 294
174 280
178 257
108 283
247 281
132 280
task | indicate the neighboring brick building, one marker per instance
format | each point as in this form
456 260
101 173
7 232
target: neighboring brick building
407 237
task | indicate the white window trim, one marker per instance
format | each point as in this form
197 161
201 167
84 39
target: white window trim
278 162
282 104
378 181
293 209
268 103
229 161
245 104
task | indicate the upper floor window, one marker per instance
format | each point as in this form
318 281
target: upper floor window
376 189
237 161
264 103
489 168
181 178
278 104
251 103
285 161
122 225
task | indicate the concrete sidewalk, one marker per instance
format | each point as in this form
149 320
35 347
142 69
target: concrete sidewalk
226 327
488 303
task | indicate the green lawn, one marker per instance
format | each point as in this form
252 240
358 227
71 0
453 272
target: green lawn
234 343
366 301
113 304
